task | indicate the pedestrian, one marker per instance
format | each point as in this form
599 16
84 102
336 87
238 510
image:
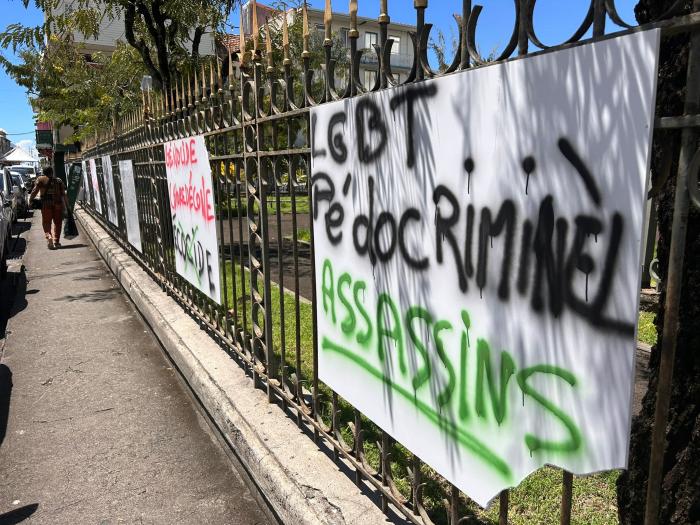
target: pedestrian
53 202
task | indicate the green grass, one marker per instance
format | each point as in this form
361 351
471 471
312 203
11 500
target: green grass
647 329
536 500
232 208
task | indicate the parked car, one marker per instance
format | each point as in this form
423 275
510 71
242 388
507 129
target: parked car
24 186
11 195
28 171
28 174
6 219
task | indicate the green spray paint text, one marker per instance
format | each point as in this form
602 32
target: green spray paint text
393 334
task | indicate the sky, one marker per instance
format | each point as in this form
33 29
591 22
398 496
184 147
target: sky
555 21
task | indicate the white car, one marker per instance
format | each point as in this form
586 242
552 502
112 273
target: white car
6 219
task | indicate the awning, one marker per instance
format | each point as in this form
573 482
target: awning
17 155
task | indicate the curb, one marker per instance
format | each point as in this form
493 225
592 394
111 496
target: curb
301 483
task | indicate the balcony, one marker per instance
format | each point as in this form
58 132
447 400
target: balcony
398 60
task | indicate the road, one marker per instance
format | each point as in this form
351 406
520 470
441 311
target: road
95 426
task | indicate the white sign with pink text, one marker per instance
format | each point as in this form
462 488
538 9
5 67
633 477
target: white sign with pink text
193 214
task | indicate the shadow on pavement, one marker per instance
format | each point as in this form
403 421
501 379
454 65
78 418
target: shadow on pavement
18 515
5 394
71 246
12 297
91 297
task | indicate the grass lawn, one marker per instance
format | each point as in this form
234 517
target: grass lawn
536 500
647 329
302 205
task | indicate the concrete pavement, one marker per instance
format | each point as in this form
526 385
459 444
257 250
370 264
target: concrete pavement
98 427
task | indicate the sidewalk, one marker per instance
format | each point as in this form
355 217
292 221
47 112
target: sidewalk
99 428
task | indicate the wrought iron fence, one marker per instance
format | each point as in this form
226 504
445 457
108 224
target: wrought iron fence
254 115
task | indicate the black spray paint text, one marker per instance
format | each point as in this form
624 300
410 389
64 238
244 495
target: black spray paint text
542 256
194 255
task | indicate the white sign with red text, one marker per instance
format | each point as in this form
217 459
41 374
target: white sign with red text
193 214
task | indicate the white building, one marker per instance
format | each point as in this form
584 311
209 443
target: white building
112 30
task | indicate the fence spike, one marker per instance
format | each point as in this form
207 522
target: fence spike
268 45
383 12
255 27
230 67
241 39
353 15
220 79
177 96
211 78
305 30
285 37
327 21
184 92
196 84
204 81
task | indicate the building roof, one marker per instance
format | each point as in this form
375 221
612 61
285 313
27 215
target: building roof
231 42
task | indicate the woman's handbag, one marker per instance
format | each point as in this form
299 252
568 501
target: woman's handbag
36 203
70 230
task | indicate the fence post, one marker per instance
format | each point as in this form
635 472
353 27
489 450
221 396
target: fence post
673 285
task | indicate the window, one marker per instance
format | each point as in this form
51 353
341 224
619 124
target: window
370 78
344 37
396 48
321 30
370 39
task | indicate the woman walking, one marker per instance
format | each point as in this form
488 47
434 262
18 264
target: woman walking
53 201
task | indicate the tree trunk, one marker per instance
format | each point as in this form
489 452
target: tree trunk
680 497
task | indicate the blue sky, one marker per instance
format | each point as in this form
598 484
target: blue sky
555 20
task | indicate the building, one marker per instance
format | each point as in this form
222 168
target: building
112 30
402 51
5 143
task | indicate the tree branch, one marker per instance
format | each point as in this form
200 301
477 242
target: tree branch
196 39
139 44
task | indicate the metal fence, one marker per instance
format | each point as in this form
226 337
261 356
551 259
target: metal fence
255 116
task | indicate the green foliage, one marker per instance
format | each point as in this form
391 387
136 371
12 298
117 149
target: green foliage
166 34
65 89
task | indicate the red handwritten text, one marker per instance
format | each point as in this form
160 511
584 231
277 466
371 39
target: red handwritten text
180 154
195 198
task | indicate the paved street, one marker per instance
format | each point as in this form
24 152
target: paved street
95 427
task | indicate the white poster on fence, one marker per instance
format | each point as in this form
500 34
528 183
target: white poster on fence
131 209
97 200
478 242
108 179
192 210
85 187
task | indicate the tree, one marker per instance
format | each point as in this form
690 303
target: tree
165 33
680 500
66 89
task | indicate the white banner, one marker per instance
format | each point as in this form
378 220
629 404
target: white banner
478 243
193 214
108 179
84 194
97 199
131 209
